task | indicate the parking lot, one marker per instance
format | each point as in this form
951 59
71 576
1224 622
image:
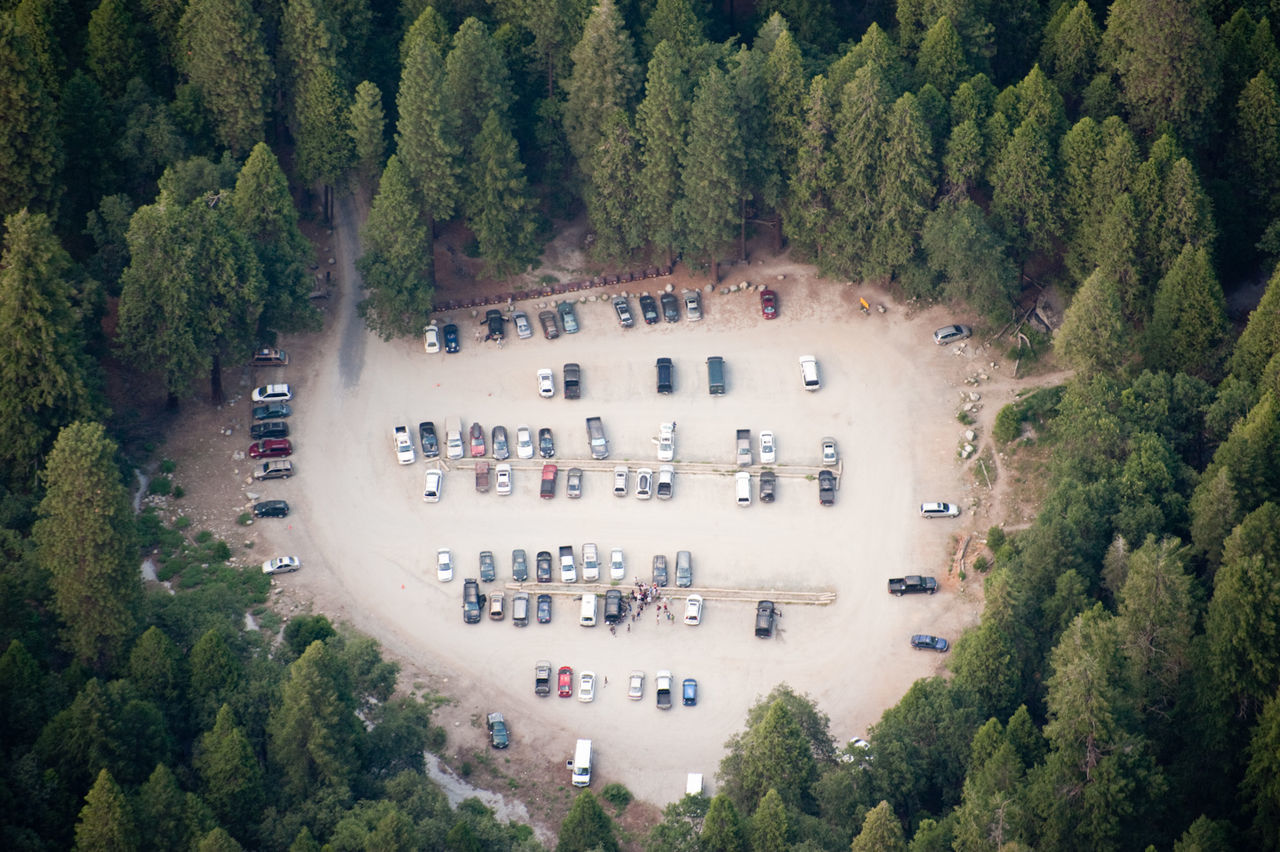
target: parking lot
368 541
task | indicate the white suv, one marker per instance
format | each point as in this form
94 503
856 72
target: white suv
546 383
620 474
590 563
444 565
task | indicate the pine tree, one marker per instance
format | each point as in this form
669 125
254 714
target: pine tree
29 151
604 79
106 820
1158 610
1188 323
662 121
712 171
808 204
722 829
941 58
155 668
613 192
312 732
905 187
1261 784
554 25
881 832
503 214
674 21
44 374
973 260
1072 51
859 130
1214 513
963 159
113 52
223 56
587 827
230 776
166 811
39 21
324 151
1079 153
747 80
785 84
366 126
973 101
476 83
396 264
1092 337
1023 199
423 138
1255 150
769 825
1260 340
86 542
876 48
214 675
776 754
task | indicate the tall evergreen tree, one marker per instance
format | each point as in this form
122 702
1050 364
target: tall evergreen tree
662 122
785 84
324 151
29 150
1260 340
366 127
859 130
424 141
1092 337
808 203
881 832
712 171
1261 783
587 827
168 814
613 193
41 21
554 26
1071 52
155 668
1188 323
114 51
502 214
1023 196
86 542
905 187
396 265
941 58
674 21
1157 615
106 820
230 776
722 830
876 48
605 77
971 257
962 162
775 754
1079 153
476 83
1256 149
769 824
223 56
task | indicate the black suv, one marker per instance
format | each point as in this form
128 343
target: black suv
665 378
519 566
496 322
498 736
270 429
271 411
660 571
648 309
430 443
670 307
766 612
826 487
271 509
768 483
471 601
488 569
612 606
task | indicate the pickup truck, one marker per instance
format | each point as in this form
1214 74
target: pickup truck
482 476
542 678
403 445
572 381
595 435
912 584
663 682
744 447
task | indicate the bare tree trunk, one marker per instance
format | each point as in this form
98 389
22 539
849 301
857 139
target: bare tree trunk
215 379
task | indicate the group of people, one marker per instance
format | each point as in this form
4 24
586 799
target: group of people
641 596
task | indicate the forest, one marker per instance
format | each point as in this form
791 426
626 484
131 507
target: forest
160 161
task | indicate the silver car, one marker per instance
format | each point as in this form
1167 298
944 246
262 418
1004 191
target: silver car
644 483
620 475
524 330
951 333
692 305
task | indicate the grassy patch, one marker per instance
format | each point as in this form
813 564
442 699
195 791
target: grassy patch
616 795
1033 410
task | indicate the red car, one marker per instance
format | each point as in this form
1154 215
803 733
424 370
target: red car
477 441
565 684
768 304
270 448
549 474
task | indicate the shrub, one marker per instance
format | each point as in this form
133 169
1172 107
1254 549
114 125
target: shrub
168 466
1007 426
981 564
1035 408
244 519
179 492
161 485
616 795
204 537
995 538
220 550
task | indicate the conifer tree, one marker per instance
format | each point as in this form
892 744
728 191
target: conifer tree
165 811
502 213
769 824
875 48
962 162
674 21
424 140
366 126
712 171
662 121
106 820
604 79
881 832
785 84
1188 322
476 83
113 52
807 220
29 151
859 130
905 187
1071 53
587 827
1257 145
613 192
1023 196
1092 337
39 21
722 829
223 56
396 264
941 58
230 776
1260 340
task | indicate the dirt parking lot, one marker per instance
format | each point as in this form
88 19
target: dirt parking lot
367 540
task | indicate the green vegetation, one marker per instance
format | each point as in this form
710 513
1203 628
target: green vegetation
1036 408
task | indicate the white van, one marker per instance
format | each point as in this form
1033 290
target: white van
743 483
809 373
581 764
587 618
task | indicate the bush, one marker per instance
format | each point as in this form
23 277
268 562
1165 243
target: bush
220 550
204 536
981 564
161 485
1007 426
168 466
1036 408
244 519
179 492
616 795
995 538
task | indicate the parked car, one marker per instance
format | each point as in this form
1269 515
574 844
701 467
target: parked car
742 488
544 609
523 329
830 456
524 442
666 441
431 339
768 304
543 566
496 323
613 610
768 486
693 305
809 373
451 342
617 567
272 410
826 487
281 565
666 482
623 309
488 568
504 479
472 600
951 333
660 570
270 448
548 488
572 380
519 565
689 692
430 441
644 483
501 448
276 469
568 318
482 477
766 616
568 567
564 682
272 393
546 383
670 307
662 688
939 510
477 441
542 678
620 474
693 610
666 375
573 484
684 569
269 357
520 609
768 452
590 563
649 309
498 736
546 444
912 584
635 685
444 565
550 327
434 485
587 687
270 429
925 642
271 509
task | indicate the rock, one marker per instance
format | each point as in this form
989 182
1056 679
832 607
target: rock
745 284
974 396
724 291
782 278
591 298
251 495
970 435
710 288
984 377
966 451
669 288
332 261
474 313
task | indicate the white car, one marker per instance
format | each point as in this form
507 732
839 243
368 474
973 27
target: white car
523 329
635 685
431 339
768 454
524 443
666 482
620 474
281 565
830 457
587 687
444 565
504 479
809 373
617 568
568 568
435 484
644 483
693 610
590 563
272 393
939 510
403 445
546 383
666 441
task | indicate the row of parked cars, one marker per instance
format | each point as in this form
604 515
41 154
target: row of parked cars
663 681
567 565
271 446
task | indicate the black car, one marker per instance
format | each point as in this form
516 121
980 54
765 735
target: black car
649 309
498 736
488 569
471 602
768 484
272 411
546 445
826 487
501 448
660 570
497 324
271 509
270 429
451 338
623 309
430 442
670 307
665 375
543 568
925 642
766 613
550 325
613 606
520 566
544 609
